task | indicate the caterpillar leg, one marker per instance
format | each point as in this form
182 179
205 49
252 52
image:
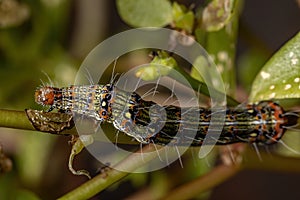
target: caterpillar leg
78 143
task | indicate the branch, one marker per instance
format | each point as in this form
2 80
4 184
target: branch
49 122
204 183
15 119
111 175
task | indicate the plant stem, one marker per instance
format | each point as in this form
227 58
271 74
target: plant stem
15 119
19 120
112 175
206 182
250 160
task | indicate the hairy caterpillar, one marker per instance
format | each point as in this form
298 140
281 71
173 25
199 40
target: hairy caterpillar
261 123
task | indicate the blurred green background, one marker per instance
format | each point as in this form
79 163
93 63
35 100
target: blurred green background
41 39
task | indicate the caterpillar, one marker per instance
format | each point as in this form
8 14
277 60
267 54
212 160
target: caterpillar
263 123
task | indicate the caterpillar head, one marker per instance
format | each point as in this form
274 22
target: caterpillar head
46 95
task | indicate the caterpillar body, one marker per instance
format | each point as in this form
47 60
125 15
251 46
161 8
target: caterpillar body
262 123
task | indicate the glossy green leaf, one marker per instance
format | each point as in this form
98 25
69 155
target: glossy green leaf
143 13
280 77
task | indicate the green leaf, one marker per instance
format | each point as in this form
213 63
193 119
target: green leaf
161 65
280 77
202 63
144 13
183 18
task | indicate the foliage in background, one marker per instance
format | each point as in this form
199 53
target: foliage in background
37 40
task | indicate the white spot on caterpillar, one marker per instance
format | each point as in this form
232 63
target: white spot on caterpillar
287 86
265 75
291 54
296 80
127 115
283 81
272 95
272 87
